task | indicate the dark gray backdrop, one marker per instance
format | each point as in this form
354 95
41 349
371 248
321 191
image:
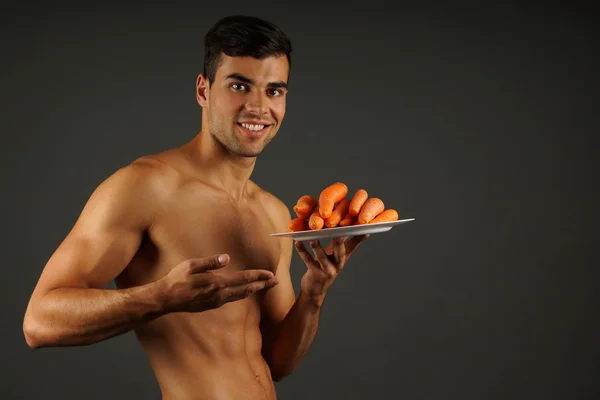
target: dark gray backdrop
478 123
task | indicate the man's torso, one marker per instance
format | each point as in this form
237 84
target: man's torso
214 354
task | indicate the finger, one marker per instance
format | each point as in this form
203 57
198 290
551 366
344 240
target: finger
320 254
208 263
245 277
305 255
353 243
232 293
329 248
339 251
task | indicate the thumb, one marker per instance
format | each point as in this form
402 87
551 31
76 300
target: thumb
209 263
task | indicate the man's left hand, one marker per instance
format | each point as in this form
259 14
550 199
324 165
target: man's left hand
326 264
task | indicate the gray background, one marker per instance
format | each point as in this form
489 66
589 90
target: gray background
478 123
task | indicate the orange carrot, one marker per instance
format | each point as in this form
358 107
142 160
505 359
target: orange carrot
329 196
338 213
315 221
305 206
347 220
386 216
297 224
357 202
372 208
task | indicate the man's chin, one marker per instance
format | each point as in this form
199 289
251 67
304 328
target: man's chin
248 152
252 149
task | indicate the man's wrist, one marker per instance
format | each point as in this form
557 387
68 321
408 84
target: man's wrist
157 292
313 301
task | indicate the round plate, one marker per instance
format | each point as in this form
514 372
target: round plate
352 230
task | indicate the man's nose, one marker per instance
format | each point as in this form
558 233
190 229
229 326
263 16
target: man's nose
257 102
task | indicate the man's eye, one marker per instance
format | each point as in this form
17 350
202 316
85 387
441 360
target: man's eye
275 92
238 86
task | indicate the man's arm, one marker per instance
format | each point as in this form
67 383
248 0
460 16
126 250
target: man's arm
289 324
69 305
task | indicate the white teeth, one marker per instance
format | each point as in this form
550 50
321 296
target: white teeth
253 127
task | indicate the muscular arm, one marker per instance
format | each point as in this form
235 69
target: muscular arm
290 324
69 305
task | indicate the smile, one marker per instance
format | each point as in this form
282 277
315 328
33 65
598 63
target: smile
253 130
252 127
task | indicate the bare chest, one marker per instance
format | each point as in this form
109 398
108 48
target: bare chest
204 226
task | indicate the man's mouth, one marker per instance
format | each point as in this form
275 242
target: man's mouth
253 130
253 127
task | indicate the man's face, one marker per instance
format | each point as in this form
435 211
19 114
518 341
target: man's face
246 102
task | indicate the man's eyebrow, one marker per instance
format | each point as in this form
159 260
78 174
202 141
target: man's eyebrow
242 78
278 84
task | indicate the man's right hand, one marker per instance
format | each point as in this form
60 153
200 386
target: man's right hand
198 284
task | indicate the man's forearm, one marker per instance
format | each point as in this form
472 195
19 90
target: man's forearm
81 316
288 342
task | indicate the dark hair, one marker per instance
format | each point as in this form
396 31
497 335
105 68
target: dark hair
239 36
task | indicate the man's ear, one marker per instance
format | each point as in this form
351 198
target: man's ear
202 90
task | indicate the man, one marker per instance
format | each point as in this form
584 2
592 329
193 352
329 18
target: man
185 235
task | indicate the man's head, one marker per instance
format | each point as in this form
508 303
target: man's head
244 85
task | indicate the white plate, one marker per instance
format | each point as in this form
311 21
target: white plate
338 231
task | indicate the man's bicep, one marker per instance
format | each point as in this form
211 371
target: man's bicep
278 300
89 259
104 238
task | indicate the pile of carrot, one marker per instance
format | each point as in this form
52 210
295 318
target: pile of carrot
335 208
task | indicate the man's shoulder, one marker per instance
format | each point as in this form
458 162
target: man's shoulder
131 194
146 176
274 205
154 167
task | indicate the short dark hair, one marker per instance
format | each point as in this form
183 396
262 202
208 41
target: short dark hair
240 36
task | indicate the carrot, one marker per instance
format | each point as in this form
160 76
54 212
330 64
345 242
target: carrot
357 202
347 220
305 206
338 213
329 196
386 216
372 208
297 224
315 221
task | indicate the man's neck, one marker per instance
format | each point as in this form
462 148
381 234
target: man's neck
219 167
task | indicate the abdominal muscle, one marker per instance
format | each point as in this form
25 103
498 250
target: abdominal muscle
214 354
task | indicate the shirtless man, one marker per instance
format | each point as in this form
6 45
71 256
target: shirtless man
185 235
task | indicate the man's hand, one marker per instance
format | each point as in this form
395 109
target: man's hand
198 284
326 264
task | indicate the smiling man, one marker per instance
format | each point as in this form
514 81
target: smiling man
185 235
